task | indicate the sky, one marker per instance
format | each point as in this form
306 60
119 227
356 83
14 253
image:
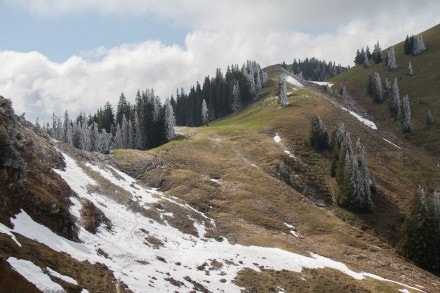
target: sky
75 55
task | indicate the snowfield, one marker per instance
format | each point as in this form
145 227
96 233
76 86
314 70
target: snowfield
148 254
363 120
291 80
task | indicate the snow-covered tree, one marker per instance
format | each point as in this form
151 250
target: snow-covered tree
387 89
410 71
125 132
365 62
418 45
282 91
377 88
67 130
377 53
137 133
391 60
205 113
421 230
319 138
343 91
117 139
236 99
351 171
170 120
406 115
395 100
429 118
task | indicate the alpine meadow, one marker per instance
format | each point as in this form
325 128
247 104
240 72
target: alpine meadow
300 176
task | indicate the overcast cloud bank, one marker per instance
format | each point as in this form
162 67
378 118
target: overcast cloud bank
219 33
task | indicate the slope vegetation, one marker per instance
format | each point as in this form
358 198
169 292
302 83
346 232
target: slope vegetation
423 89
256 175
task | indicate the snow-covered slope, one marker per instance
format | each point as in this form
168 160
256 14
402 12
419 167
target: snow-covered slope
146 248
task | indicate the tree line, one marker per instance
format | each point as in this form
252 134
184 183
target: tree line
219 96
148 123
314 69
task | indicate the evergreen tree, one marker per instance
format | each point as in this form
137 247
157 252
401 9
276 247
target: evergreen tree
137 133
377 53
236 99
282 91
378 90
319 138
365 62
391 60
170 120
410 71
387 89
205 114
418 45
343 91
358 59
429 118
395 100
67 129
406 115
351 170
421 231
408 45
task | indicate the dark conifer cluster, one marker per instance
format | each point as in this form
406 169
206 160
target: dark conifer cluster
314 69
223 94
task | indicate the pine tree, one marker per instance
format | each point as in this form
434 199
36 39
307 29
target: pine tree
358 59
387 89
67 130
429 118
365 62
410 71
282 92
319 138
395 100
391 60
343 91
351 171
205 113
421 231
377 53
406 115
170 120
236 99
378 90
418 45
137 133
125 132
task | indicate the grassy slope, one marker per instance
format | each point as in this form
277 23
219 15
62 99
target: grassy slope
250 203
423 90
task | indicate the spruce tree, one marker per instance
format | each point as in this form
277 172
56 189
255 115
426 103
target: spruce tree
170 120
378 90
410 71
395 107
406 115
391 60
429 118
236 98
282 92
205 113
377 53
421 231
319 138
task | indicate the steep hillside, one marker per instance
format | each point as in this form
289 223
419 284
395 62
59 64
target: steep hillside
423 89
256 175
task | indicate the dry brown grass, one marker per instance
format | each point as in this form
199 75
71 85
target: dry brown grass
251 203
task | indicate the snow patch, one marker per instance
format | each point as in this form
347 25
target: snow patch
293 81
179 255
62 277
34 274
391 143
277 138
322 83
363 120
6 230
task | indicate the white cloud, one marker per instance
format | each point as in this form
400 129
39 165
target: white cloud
223 33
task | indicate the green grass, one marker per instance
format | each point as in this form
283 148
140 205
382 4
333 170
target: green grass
423 90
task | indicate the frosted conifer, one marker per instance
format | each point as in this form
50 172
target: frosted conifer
410 70
406 115
205 113
395 100
282 92
319 138
377 86
391 60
